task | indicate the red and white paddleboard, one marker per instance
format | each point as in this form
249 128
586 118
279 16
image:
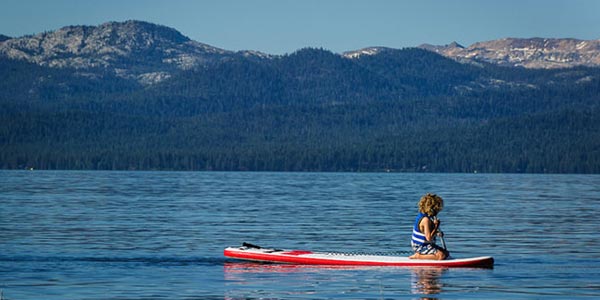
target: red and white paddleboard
256 253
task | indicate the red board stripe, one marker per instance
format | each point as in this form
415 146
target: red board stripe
298 259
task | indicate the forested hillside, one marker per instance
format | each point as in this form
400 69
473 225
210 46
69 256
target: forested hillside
312 110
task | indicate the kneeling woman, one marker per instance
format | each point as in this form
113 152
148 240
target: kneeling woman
426 228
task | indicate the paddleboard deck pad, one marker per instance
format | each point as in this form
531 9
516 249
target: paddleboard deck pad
256 253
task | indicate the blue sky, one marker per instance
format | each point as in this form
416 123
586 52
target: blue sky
283 26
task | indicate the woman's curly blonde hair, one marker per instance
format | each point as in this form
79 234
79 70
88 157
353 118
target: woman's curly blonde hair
431 204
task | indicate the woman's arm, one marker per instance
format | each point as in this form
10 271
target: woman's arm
429 228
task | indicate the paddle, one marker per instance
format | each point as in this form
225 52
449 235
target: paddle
441 235
443 241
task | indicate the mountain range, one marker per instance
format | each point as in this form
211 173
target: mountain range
119 46
136 95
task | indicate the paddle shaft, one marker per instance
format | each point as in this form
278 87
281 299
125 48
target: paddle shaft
443 241
441 235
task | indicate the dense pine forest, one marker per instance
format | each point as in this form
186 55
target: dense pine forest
406 110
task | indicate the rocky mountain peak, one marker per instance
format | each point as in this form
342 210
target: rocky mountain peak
140 32
536 52
109 38
118 37
132 49
455 45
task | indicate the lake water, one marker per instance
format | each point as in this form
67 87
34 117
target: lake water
153 235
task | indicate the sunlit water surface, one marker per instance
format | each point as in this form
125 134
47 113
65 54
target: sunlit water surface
152 235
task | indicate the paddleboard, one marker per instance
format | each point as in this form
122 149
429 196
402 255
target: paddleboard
256 253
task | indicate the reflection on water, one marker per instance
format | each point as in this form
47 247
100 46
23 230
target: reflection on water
424 281
427 281
232 269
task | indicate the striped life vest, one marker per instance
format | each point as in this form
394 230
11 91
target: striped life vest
418 237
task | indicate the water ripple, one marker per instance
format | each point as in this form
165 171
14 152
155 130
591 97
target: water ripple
141 235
